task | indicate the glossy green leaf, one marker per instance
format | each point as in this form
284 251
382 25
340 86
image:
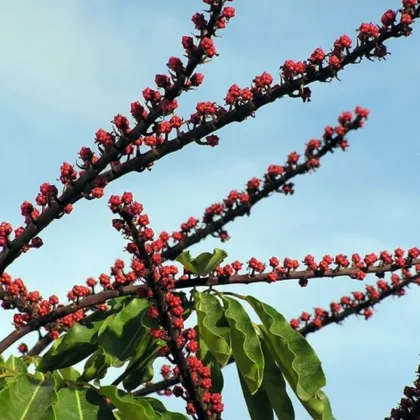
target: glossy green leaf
246 347
104 324
187 261
116 304
69 374
297 360
131 407
141 368
317 406
123 333
16 364
160 408
96 366
156 404
74 346
204 264
9 370
213 327
33 360
208 359
65 375
258 404
27 398
81 404
274 387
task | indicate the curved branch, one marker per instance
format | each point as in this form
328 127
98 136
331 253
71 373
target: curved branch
96 299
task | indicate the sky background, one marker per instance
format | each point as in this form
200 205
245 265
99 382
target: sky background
68 67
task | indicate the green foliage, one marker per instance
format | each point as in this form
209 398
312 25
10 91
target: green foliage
246 345
132 408
258 404
81 404
213 327
140 367
96 366
297 360
274 387
65 375
120 337
77 344
27 398
204 264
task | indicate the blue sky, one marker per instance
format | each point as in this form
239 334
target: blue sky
69 67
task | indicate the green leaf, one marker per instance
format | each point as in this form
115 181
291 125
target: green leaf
16 364
213 327
246 345
297 360
141 368
123 333
208 359
258 404
116 304
64 375
27 398
132 408
275 387
81 404
96 366
10 369
69 374
33 360
186 304
185 259
74 346
204 264
160 408
157 405
271 395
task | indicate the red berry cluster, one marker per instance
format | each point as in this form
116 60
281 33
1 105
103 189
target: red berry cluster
409 406
46 197
31 305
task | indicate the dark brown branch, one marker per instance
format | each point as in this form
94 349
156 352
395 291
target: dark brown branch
40 345
75 193
93 300
269 188
166 322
